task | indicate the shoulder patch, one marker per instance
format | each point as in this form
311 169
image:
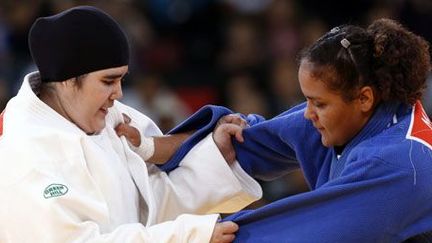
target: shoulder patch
55 190
420 128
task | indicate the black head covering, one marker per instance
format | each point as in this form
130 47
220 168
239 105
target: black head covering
77 41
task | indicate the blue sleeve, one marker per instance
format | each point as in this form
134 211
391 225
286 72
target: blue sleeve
365 204
275 147
265 154
276 159
203 121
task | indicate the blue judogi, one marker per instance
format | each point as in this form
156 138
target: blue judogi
379 189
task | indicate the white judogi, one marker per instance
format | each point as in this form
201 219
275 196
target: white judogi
58 184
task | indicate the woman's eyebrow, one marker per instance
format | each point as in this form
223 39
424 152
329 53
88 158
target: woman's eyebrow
113 76
311 97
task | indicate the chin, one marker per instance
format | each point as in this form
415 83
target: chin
325 142
100 125
99 129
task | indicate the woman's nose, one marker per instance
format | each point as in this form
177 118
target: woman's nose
309 113
117 93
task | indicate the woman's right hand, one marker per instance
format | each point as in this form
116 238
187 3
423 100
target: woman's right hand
227 127
131 133
224 232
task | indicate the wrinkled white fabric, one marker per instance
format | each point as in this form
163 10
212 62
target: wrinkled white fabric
58 184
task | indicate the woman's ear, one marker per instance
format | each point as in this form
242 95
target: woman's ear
366 99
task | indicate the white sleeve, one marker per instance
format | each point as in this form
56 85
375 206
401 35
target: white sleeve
78 215
203 183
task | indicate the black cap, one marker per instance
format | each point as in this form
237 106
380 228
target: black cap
77 41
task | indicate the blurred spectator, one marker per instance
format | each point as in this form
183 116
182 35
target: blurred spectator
5 61
58 6
383 9
284 85
312 30
243 45
173 12
152 97
337 12
18 17
417 15
282 29
244 97
249 6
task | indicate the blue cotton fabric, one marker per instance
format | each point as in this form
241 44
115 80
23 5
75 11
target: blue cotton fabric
378 190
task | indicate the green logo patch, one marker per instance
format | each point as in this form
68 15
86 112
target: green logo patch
55 190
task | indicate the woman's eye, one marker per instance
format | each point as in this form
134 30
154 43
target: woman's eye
319 105
107 82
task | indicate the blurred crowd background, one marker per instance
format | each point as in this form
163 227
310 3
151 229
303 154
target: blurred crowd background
188 53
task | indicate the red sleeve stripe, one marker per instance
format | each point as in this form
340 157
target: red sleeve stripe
421 127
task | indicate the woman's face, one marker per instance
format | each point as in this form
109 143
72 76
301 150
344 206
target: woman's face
87 105
336 119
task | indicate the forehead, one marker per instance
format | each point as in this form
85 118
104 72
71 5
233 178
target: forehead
313 80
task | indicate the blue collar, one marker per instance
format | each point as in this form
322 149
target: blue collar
383 117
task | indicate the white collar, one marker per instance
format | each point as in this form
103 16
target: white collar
26 106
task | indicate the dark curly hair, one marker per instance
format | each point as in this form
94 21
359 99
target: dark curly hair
392 60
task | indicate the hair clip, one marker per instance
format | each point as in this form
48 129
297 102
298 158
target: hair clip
334 30
345 43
